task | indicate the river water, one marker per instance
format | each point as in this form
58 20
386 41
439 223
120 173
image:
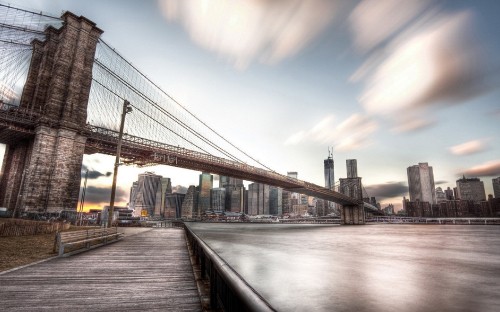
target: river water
364 268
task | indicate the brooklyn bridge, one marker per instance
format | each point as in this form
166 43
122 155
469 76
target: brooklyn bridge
62 94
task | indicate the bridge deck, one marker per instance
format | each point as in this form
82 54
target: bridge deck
147 271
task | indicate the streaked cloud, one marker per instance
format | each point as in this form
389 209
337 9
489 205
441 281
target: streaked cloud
322 132
373 21
417 58
439 182
387 190
354 133
487 169
254 30
468 148
351 134
412 124
441 63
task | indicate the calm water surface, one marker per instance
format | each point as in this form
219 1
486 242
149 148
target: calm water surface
364 268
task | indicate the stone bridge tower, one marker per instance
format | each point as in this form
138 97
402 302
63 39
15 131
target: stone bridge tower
41 172
354 214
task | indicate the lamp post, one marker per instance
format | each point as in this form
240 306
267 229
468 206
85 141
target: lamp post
127 108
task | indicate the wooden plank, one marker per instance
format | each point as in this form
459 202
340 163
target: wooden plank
146 271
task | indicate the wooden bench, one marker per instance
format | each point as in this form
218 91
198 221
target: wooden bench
86 238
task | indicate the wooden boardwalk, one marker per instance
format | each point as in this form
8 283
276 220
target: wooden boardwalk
147 272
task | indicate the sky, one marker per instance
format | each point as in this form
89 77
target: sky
390 83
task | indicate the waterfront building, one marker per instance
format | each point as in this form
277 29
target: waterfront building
299 210
275 201
160 205
218 199
286 201
471 189
321 207
204 187
258 199
421 183
455 208
440 195
235 190
189 208
389 210
449 194
352 168
419 209
147 193
496 187
173 205
133 195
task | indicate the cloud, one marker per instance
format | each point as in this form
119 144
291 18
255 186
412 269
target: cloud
93 174
440 182
387 190
244 31
101 195
488 169
179 189
412 124
468 148
366 19
354 133
351 134
428 59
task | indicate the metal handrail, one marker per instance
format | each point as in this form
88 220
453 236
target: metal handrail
246 295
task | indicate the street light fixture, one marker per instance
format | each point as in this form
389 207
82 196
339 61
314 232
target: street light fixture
127 108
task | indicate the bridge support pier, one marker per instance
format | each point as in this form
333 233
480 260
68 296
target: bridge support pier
42 172
352 214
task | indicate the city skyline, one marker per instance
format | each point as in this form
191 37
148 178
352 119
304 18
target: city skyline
292 91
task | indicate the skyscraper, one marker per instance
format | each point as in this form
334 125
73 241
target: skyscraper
218 198
189 208
234 193
471 189
275 201
421 183
329 173
173 204
496 187
165 189
206 183
258 199
148 192
352 168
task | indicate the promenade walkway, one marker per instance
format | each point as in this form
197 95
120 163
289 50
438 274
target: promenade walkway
147 271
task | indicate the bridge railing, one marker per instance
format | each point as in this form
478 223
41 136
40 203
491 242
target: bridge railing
228 290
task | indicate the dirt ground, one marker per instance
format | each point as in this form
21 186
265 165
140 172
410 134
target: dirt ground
21 250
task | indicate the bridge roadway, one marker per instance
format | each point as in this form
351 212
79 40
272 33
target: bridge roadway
18 123
144 272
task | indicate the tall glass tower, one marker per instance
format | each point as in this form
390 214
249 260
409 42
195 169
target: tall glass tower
206 184
329 175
